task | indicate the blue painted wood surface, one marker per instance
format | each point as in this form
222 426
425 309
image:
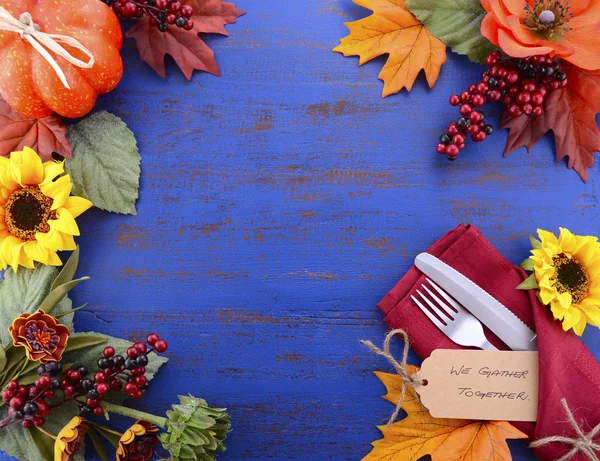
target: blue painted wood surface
279 203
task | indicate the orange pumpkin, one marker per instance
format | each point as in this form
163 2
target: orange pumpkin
27 81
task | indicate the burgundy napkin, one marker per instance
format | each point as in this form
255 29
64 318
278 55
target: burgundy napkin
567 368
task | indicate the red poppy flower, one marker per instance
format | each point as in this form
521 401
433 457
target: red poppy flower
41 335
563 28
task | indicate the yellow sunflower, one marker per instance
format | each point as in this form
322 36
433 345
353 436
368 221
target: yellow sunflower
566 271
37 213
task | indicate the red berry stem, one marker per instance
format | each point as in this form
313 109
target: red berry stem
161 13
520 84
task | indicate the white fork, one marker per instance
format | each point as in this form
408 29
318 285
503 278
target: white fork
453 319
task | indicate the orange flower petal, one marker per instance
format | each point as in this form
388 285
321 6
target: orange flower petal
489 28
516 7
515 49
500 13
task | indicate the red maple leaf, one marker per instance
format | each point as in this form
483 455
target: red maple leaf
571 115
44 135
186 47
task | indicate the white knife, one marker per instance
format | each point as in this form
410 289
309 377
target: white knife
506 325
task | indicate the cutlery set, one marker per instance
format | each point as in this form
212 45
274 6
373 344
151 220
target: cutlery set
459 307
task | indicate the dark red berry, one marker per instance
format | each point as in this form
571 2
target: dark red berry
44 381
38 420
494 95
502 73
102 388
132 352
69 391
472 129
98 411
527 109
480 136
141 347
456 139
153 337
116 384
514 110
474 117
452 129
142 380
138 394
91 403
48 394
161 345
34 390
454 99
537 111
187 11
482 87
12 385
452 150
478 100
491 61
100 377
523 97
472 89
189 25
512 77
23 392
175 6
16 402
131 388
465 109
7 394
109 351
465 96
162 4
537 98
43 409
441 148
26 424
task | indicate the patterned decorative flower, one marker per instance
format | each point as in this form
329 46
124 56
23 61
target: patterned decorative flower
37 213
70 439
567 272
41 335
137 443
558 27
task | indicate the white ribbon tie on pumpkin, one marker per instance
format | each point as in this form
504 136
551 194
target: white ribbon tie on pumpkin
30 31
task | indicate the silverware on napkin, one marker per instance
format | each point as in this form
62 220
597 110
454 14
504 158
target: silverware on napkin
506 325
450 317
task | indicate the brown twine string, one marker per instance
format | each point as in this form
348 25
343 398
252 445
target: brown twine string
407 380
584 443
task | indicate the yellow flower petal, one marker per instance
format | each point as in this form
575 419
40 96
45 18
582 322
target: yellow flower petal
557 310
52 170
26 167
68 242
59 190
64 222
11 250
547 237
50 239
572 317
77 205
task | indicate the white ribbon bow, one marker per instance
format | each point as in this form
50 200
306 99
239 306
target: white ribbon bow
27 29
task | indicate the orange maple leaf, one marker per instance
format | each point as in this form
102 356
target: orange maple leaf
394 30
421 434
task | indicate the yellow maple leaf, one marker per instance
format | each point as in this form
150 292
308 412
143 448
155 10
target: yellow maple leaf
421 434
394 30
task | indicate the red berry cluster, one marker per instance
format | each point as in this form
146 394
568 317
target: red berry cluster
521 85
29 405
162 13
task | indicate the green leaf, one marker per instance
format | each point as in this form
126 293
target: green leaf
2 358
527 264
58 294
108 434
105 167
97 444
535 243
70 311
530 283
84 340
23 292
44 444
68 271
457 23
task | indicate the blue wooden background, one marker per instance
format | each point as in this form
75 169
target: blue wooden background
278 204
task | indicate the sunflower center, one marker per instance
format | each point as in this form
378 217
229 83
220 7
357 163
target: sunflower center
548 18
570 277
27 211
